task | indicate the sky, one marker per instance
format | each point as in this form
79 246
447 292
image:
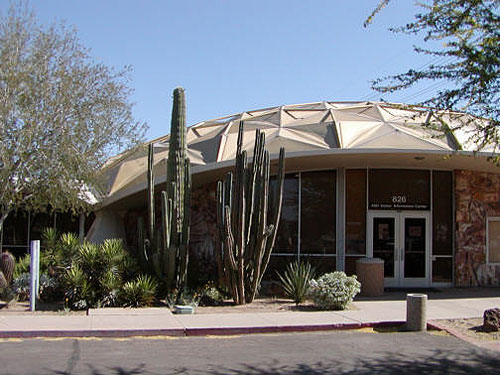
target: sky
235 56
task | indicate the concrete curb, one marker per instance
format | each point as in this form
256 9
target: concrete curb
93 333
451 331
490 345
221 331
196 332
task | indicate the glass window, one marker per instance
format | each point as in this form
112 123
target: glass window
442 213
318 212
399 189
355 211
442 270
286 238
321 264
493 246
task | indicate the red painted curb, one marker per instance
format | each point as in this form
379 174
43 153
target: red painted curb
219 331
93 333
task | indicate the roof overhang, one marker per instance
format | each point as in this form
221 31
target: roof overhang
135 195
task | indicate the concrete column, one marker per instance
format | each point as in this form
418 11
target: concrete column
416 312
340 230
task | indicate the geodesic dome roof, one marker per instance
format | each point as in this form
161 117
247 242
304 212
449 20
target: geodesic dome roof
305 129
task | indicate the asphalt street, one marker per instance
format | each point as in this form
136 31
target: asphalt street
339 352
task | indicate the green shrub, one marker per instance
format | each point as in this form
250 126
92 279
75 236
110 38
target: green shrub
96 275
187 298
49 288
333 291
295 280
209 295
23 265
139 292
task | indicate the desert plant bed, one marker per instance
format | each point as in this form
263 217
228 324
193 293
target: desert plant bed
470 328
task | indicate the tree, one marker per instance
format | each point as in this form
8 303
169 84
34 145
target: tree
61 115
468 60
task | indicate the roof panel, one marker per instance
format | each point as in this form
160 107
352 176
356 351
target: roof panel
308 127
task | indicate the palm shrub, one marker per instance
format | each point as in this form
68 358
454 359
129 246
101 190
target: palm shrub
96 275
66 250
334 291
77 289
295 280
23 265
139 292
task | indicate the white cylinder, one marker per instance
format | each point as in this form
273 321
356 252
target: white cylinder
416 312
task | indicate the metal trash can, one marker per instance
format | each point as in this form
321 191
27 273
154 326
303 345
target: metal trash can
370 273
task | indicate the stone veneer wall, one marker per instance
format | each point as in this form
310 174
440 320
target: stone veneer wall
202 240
477 196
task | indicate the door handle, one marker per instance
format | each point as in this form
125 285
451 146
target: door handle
402 253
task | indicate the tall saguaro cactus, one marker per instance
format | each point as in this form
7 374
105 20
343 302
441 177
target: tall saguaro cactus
246 238
166 248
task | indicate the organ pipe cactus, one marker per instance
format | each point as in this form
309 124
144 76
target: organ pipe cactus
3 283
246 240
165 249
7 264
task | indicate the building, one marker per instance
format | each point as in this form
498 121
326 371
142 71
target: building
363 180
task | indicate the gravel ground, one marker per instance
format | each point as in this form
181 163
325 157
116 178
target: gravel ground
471 328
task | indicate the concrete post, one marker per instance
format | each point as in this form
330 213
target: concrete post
416 312
34 273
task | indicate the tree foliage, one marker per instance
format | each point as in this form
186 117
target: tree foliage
61 115
467 33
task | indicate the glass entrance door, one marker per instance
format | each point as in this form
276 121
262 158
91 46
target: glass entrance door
401 239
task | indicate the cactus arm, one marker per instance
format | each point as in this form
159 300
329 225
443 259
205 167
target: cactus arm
184 256
229 245
251 180
142 249
229 259
260 246
166 217
151 192
272 230
220 237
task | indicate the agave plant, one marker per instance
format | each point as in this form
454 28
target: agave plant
295 280
139 292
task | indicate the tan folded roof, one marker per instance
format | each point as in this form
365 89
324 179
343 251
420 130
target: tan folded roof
308 128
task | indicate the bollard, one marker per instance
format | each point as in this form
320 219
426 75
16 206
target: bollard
416 312
34 274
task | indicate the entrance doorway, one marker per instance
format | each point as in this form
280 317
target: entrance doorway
402 240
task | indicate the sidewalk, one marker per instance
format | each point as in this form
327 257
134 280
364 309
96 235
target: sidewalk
122 322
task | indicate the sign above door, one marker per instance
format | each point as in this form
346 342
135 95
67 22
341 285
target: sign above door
398 189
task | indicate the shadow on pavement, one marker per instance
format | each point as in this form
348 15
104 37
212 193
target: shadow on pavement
439 362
